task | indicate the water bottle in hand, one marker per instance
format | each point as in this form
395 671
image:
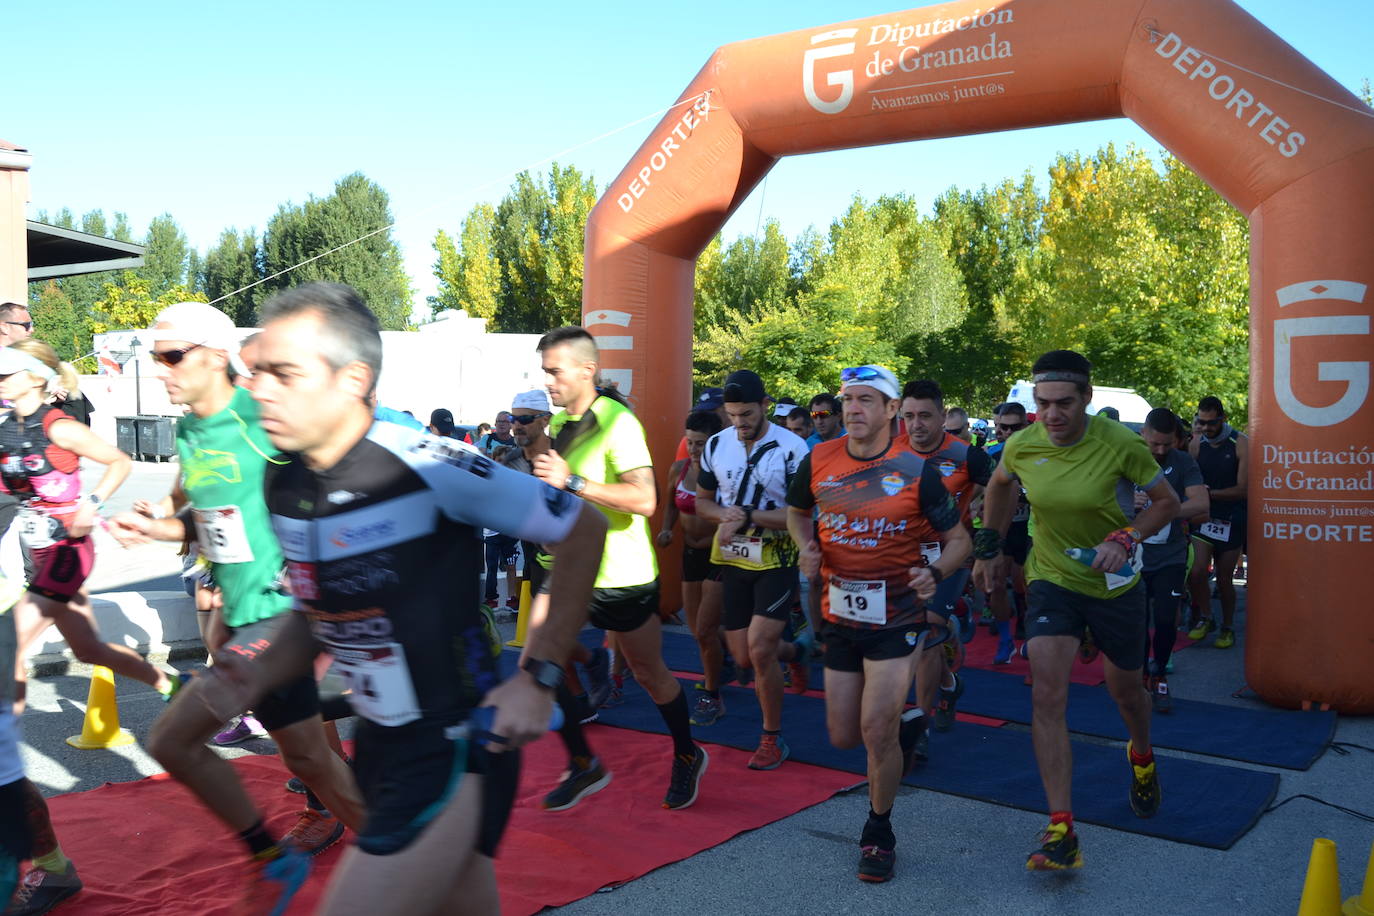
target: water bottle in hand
1086 556
481 720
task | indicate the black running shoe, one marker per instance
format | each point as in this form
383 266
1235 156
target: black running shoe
1145 793
577 784
41 890
949 698
1058 850
682 790
875 863
599 684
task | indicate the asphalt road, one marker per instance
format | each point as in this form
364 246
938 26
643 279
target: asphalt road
955 856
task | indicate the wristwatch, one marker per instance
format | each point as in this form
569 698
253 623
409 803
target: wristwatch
94 500
575 484
545 673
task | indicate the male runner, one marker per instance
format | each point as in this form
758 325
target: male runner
1222 453
530 423
1008 419
964 470
957 425
878 505
599 453
224 455
1074 468
742 490
825 417
1166 552
380 526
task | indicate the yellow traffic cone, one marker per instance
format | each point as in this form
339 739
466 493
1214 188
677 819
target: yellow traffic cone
1363 905
522 622
101 727
1321 892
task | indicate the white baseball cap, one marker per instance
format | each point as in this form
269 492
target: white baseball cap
12 361
203 325
536 399
879 378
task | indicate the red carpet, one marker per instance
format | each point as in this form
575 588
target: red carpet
147 847
980 651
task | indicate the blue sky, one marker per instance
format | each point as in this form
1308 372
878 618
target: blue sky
217 113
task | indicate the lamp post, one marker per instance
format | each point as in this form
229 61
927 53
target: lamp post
134 344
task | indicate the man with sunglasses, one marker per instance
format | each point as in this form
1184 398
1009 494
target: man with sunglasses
16 323
1222 454
742 489
878 505
827 418
225 454
957 425
1008 420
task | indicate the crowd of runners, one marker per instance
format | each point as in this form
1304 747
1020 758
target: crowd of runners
347 561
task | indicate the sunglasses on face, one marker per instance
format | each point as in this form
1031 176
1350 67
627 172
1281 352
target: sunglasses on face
1010 427
822 414
173 357
526 420
26 325
1198 421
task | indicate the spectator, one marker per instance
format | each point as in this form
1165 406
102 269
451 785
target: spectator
16 323
441 423
499 438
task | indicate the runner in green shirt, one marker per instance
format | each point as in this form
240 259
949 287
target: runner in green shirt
224 453
1078 473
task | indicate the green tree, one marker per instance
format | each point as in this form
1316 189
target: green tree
233 263
321 236
470 277
164 263
60 323
132 304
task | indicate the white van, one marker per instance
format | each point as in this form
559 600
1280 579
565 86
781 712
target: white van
1131 406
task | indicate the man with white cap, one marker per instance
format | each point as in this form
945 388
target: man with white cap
224 455
878 502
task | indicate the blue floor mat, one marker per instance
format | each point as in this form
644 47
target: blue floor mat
1205 804
1270 737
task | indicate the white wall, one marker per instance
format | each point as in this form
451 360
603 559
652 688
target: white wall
452 363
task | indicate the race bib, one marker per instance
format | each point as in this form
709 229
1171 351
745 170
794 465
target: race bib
931 551
1161 536
864 602
743 550
1217 530
221 535
36 529
379 681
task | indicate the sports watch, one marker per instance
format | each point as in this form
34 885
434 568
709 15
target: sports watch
545 673
575 484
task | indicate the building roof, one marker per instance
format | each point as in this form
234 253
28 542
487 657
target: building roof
56 252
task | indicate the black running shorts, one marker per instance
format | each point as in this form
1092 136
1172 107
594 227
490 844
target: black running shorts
1117 624
750 593
622 610
289 703
847 647
697 565
409 773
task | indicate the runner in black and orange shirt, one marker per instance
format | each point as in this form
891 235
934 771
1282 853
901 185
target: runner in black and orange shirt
964 470
879 503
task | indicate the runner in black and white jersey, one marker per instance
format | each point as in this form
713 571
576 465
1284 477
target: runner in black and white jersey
380 526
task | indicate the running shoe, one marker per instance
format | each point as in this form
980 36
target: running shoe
967 628
682 788
598 678
1145 794
315 832
771 752
1006 648
1169 668
1058 850
875 863
949 698
295 786
615 698
1204 626
274 883
1087 649
576 784
1159 695
913 739
1225 639
244 728
41 890
586 712
513 604
707 709
495 643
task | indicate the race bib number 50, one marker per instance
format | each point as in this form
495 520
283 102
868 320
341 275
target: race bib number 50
744 550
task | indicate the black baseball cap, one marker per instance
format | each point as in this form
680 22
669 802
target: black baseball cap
744 386
709 399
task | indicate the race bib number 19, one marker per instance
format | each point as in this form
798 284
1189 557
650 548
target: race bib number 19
864 602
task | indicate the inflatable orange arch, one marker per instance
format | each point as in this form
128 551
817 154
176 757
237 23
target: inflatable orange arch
1273 134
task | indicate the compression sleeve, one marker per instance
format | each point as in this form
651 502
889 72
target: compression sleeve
979 466
473 489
